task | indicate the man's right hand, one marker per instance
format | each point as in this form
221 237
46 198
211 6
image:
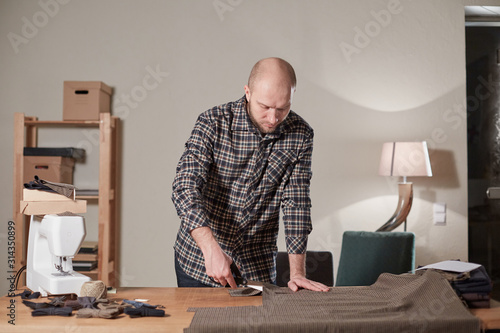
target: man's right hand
217 262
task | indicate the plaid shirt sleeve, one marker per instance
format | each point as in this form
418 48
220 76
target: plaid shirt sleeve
191 174
296 202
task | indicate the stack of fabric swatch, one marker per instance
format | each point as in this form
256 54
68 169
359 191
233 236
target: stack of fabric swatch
88 307
474 290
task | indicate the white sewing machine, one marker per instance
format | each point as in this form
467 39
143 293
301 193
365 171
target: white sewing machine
53 241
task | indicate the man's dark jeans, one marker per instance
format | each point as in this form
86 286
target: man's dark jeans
184 280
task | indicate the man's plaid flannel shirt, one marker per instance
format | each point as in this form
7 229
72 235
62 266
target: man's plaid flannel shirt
234 180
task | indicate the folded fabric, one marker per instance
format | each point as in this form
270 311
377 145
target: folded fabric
57 301
37 185
473 287
113 306
54 302
144 311
74 304
52 311
87 302
27 294
471 297
479 282
478 304
35 305
98 313
450 276
140 304
67 190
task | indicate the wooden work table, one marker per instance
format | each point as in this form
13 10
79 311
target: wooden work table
490 317
175 300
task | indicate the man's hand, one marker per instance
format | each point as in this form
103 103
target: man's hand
217 262
217 265
298 275
301 282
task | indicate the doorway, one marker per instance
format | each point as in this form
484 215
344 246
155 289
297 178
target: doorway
483 147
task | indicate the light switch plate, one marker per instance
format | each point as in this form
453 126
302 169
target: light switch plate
440 213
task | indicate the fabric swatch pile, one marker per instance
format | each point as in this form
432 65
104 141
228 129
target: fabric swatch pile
89 307
473 287
476 289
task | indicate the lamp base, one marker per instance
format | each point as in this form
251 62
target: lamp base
403 208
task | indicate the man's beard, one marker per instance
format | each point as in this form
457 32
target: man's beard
261 129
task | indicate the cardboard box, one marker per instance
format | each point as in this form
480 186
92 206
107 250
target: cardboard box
85 100
39 195
53 207
52 168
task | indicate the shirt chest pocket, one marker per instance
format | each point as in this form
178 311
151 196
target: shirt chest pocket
280 166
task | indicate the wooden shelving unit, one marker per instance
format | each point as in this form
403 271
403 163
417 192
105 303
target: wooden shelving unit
26 135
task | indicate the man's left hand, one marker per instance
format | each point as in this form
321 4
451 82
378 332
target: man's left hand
298 275
301 282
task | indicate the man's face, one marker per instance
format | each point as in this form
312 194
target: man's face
268 105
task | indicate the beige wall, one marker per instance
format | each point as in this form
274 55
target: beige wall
401 78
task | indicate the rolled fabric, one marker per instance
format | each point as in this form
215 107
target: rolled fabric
53 311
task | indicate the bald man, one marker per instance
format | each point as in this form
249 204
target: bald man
246 160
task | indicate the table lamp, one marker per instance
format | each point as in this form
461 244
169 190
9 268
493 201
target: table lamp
404 159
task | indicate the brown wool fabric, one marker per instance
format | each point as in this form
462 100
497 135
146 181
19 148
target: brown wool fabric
395 303
113 306
97 313
87 302
67 190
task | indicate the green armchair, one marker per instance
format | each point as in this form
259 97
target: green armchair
365 255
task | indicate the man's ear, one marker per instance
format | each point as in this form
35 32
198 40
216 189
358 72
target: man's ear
292 92
247 92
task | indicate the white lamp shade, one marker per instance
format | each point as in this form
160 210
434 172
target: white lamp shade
407 159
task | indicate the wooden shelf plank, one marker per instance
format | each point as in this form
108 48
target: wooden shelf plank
63 123
87 197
